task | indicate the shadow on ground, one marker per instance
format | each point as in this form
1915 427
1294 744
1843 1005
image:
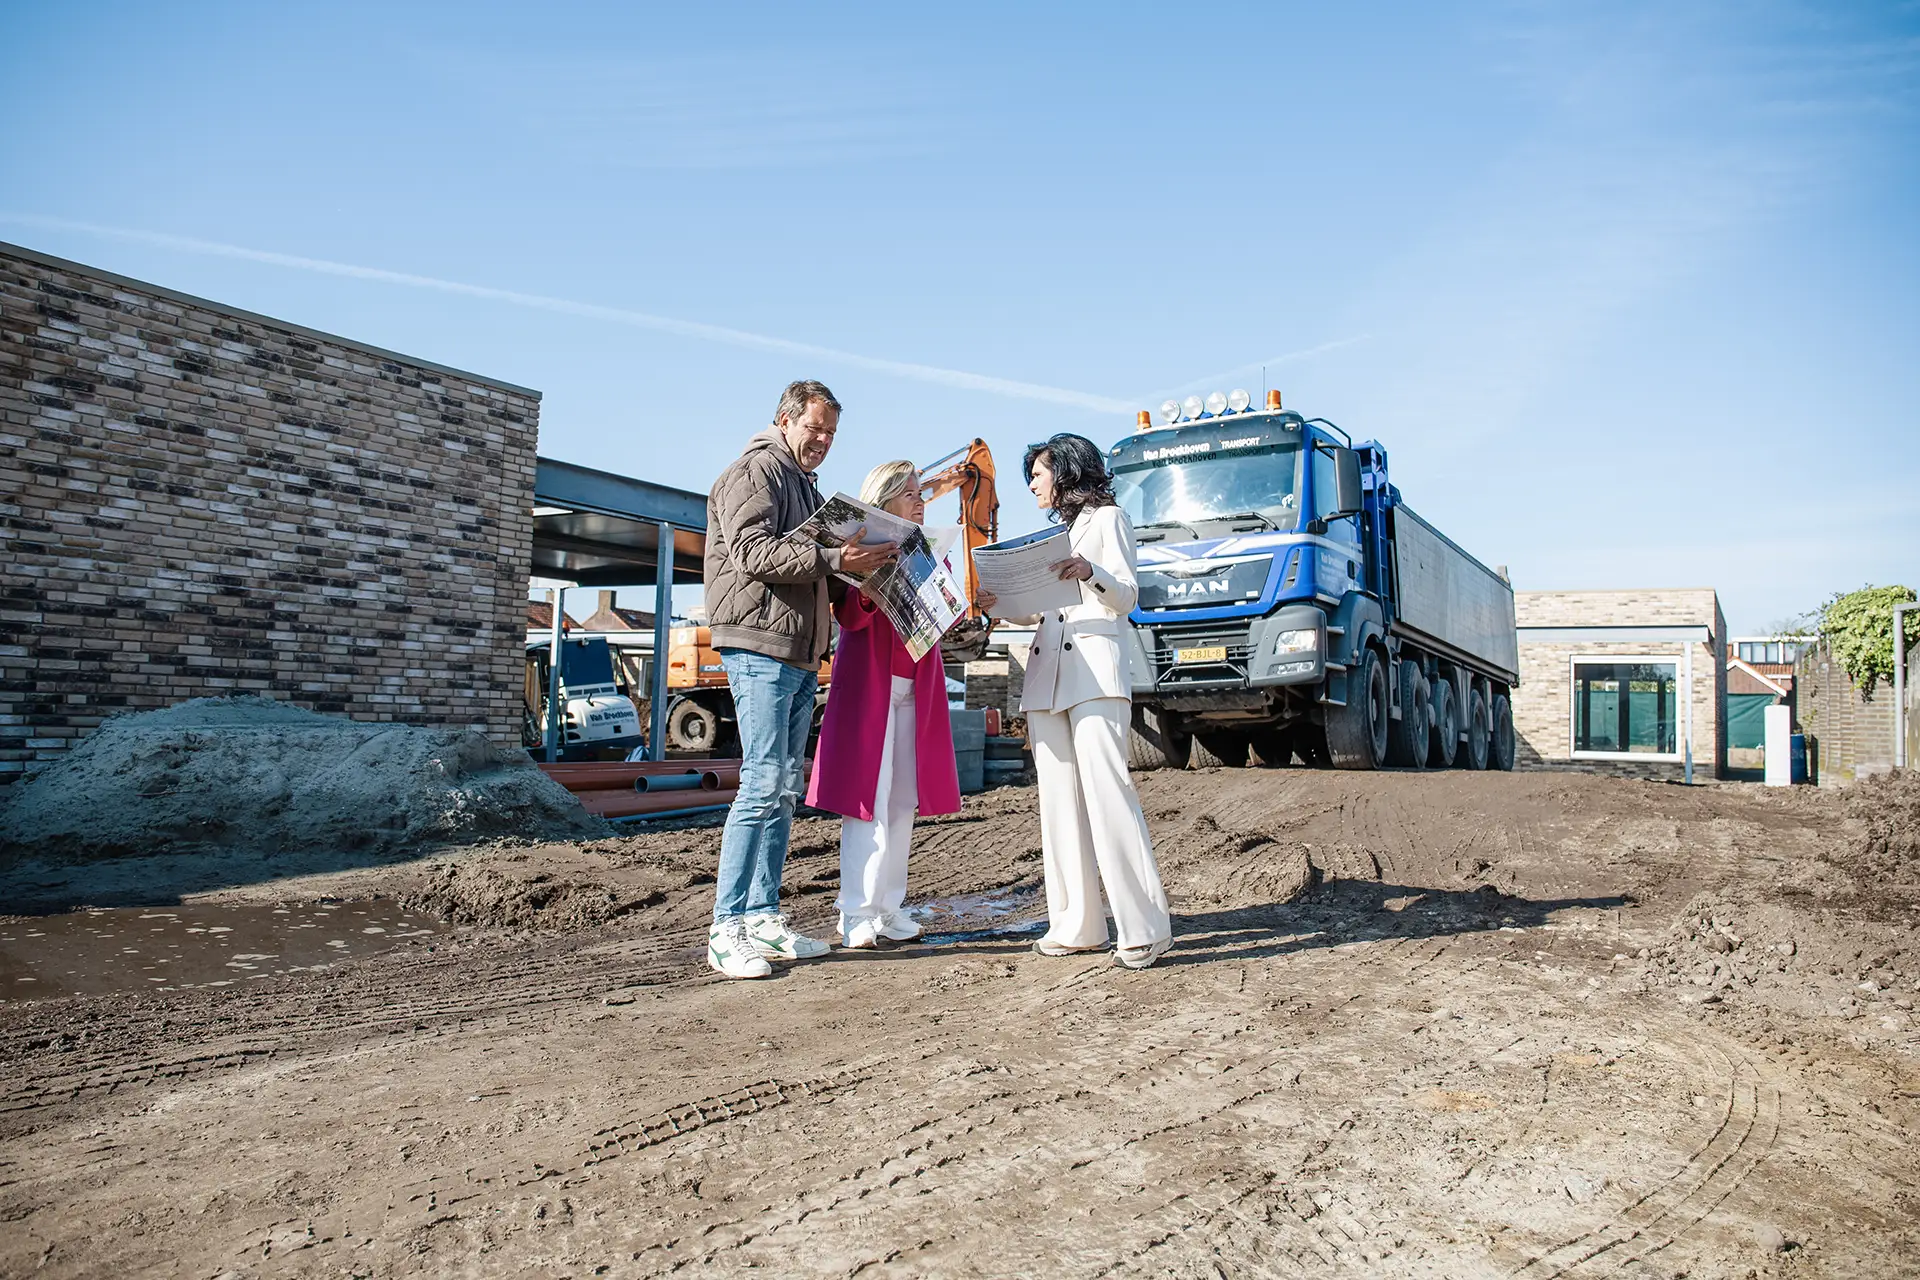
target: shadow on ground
1361 911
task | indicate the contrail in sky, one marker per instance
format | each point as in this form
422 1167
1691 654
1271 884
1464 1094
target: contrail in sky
617 315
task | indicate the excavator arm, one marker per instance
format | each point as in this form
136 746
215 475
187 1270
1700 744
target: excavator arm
970 471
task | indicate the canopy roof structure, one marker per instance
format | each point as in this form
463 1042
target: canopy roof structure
596 529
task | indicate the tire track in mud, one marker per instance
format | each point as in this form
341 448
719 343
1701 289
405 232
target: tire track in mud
1747 1129
965 1155
1300 1232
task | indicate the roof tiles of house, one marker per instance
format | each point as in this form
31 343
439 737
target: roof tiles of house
610 617
540 617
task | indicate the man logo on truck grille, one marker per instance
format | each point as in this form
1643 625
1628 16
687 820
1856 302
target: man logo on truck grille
1209 587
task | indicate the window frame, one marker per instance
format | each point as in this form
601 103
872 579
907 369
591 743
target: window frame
1683 693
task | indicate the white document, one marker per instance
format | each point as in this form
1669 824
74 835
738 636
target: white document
915 590
1016 572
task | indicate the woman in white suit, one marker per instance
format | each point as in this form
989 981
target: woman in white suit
1078 703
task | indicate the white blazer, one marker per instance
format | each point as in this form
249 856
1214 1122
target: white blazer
1080 652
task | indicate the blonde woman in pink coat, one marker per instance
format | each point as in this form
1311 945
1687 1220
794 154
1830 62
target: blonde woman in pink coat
886 751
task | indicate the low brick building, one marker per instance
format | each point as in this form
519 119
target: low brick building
1627 682
199 500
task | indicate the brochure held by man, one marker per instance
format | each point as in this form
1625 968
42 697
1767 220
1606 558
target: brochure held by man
915 590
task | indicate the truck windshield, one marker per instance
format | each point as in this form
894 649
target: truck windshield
1188 490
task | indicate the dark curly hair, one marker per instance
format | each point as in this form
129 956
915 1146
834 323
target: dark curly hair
1080 478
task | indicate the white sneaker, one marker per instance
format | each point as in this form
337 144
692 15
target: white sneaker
861 933
731 952
898 926
1141 957
1044 946
775 939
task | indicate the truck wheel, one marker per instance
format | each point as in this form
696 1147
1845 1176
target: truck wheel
1357 732
1446 727
1479 731
691 727
1500 749
1219 751
1150 745
1407 743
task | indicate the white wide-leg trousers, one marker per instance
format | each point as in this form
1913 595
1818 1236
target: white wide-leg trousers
873 855
1092 833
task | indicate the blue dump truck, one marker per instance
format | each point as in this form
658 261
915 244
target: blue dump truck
1292 605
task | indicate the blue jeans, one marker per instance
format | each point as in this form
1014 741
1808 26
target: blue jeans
774 705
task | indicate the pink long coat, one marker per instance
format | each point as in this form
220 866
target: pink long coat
846 768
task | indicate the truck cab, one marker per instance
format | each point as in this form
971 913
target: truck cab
1269 572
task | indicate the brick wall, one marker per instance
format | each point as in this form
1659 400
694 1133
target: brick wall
198 500
1543 704
1849 736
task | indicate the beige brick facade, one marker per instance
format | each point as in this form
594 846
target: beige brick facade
197 500
1664 625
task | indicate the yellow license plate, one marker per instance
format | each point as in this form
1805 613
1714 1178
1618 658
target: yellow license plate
1212 653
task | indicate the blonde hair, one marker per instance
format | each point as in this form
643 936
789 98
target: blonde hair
888 481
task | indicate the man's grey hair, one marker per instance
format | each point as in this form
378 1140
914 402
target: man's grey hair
798 395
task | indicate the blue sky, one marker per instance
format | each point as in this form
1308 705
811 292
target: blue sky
1627 290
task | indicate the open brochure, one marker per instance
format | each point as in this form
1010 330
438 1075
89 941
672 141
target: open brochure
1017 571
915 590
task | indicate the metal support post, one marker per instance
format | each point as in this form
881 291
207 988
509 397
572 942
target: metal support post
1900 612
551 738
1687 693
662 615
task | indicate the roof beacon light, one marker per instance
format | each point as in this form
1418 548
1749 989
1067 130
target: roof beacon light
1169 412
1216 404
1238 400
1142 420
1273 400
1192 407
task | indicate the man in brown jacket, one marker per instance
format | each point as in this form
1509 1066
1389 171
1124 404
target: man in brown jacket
766 597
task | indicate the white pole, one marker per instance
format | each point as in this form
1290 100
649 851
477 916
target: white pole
1689 698
556 638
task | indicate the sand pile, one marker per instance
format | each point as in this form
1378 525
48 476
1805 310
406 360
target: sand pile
253 775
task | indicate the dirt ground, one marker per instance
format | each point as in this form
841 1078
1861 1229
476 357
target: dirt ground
1426 1025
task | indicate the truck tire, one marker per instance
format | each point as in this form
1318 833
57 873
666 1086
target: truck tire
1407 740
1479 732
1500 745
1150 745
691 727
1219 751
1357 732
1446 727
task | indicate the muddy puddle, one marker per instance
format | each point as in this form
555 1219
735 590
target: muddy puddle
973 916
209 945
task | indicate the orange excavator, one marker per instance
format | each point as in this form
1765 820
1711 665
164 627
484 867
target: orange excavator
700 706
970 471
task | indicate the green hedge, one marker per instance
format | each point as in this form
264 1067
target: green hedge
1858 628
